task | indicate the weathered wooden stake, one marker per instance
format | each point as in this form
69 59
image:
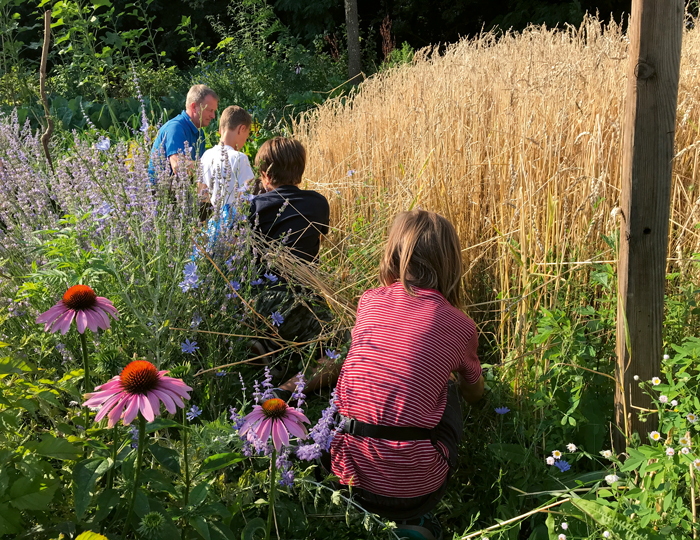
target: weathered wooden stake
655 34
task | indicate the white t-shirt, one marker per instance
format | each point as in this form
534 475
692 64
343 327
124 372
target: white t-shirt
215 174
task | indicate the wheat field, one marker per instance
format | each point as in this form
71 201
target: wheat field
517 140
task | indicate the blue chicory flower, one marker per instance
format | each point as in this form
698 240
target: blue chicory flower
330 353
277 318
188 347
272 277
562 465
502 410
193 413
256 281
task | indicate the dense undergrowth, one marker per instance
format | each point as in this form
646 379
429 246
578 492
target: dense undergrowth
542 289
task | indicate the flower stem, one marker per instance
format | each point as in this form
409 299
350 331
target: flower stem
137 474
115 443
273 492
187 471
86 377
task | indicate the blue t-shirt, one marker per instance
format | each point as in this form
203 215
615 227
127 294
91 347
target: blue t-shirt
171 140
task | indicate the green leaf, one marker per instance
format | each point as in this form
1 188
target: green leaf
200 525
620 525
162 423
253 526
14 365
26 494
219 461
50 446
198 495
509 452
106 500
10 520
85 476
167 457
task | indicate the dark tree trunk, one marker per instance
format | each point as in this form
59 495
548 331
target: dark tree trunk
354 54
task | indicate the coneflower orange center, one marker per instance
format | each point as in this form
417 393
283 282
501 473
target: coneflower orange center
139 377
79 297
274 408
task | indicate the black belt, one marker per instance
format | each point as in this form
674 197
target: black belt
390 433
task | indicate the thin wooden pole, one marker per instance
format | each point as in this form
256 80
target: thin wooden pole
42 88
655 34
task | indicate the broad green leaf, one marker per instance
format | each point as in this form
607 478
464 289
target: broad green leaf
26 494
198 495
167 457
253 526
10 520
50 446
162 423
219 461
106 500
85 476
200 525
14 365
620 525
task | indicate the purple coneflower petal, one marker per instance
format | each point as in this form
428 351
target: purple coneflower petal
155 403
295 428
63 324
92 319
106 406
263 429
101 317
116 412
132 409
81 320
297 415
51 314
280 436
105 304
110 384
166 399
145 408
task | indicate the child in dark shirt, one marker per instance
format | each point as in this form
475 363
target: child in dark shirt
285 209
301 217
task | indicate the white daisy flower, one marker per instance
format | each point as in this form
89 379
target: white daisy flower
607 454
663 399
696 463
606 534
562 537
550 460
655 381
670 452
684 441
685 450
611 478
655 435
565 525
666 357
691 417
571 447
674 402
556 454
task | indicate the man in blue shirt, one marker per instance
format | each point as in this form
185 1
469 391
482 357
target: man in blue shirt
184 130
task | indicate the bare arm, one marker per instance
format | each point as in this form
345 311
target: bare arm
471 393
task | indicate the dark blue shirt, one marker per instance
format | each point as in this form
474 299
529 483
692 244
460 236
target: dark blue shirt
171 140
300 216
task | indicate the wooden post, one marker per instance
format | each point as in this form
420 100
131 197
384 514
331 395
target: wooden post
655 34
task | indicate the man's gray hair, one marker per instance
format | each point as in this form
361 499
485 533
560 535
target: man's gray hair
197 94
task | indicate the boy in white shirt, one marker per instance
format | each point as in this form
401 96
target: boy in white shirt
225 168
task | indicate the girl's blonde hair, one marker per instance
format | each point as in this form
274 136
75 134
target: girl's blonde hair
423 251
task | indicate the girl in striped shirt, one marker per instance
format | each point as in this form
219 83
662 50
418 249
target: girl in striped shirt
413 352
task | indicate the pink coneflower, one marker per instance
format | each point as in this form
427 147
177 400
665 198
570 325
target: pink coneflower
275 416
139 387
82 304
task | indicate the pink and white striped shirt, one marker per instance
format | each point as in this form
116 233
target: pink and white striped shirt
403 350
